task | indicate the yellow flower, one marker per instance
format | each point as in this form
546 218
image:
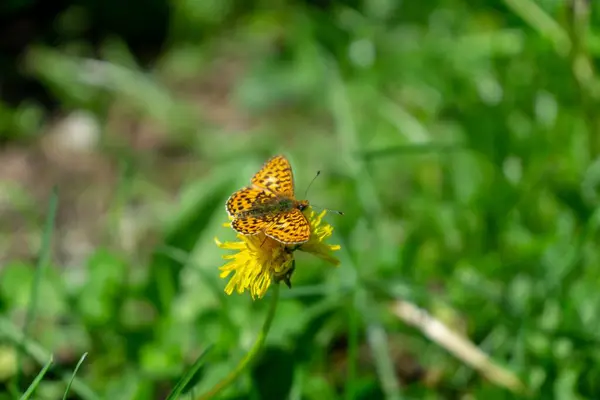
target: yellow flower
319 232
260 260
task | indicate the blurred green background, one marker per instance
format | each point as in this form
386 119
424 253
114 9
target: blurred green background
460 138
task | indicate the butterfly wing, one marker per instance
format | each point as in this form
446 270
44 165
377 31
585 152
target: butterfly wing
246 199
276 176
289 228
251 225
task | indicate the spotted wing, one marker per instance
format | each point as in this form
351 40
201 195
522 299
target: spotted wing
251 225
276 176
246 199
289 228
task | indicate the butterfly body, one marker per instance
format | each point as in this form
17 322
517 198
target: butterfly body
269 205
280 204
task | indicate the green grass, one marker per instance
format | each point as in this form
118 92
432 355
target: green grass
42 266
460 139
36 381
189 375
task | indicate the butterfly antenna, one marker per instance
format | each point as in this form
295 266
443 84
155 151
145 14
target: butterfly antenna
328 209
313 206
311 182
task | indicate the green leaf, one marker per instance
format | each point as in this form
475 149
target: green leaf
102 294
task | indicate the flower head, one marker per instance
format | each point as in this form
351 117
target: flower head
260 260
319 232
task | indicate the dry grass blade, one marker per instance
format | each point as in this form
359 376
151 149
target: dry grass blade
459 346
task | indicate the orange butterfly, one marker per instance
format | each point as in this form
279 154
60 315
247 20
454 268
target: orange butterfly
269 205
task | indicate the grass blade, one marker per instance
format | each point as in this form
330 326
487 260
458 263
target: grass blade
12 334
353 333
543 23
37 380
185 379
458 346
42 265
74 373
411 149
43 259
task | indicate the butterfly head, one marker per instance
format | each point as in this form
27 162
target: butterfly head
302 204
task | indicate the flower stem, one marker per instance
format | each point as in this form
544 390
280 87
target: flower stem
251 355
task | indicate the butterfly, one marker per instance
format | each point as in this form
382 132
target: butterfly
269 205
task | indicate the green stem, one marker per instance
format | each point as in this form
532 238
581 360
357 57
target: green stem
251 355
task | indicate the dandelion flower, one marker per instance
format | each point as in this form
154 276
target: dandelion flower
259 260
320 231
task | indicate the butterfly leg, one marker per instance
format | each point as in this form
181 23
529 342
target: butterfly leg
286 275
291 249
